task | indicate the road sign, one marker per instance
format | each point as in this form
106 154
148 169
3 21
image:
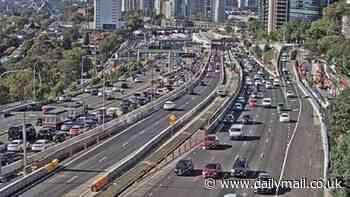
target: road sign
172 119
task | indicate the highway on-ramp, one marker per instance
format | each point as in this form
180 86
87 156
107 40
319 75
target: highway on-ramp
80 170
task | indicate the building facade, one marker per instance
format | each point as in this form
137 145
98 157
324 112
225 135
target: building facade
107 14
306 10
218 11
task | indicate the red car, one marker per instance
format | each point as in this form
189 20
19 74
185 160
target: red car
212 170
210 141
252 103
74 131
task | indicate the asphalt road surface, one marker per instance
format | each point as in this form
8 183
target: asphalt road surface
265 151
80 171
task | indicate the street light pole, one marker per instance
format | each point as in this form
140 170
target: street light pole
24 135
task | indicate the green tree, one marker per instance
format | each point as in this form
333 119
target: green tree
67 40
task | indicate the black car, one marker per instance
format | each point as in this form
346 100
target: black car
46 133
184 167
9 157
124 85
60 137
263 184
240 167
94 92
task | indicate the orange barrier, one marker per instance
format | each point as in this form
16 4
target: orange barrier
99 183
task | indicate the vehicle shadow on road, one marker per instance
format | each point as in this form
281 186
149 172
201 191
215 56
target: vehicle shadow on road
222 147
81 170
247 138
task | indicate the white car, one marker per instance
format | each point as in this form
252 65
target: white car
276 82
169 105
16 145
241 99
289 94
284 117
115 89
267 102
268 85
100 94
41 145
138 80
249 82
235 131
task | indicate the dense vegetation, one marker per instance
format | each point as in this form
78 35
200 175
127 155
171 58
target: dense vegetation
322 37
339 124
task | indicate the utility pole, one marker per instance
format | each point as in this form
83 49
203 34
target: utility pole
82 70
24 135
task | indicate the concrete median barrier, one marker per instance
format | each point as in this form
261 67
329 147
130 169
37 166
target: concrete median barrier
81 142
13 188
128 178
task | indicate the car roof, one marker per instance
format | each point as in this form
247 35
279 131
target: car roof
237 126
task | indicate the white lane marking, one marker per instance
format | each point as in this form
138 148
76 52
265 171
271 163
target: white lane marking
289 142
72 179
102 159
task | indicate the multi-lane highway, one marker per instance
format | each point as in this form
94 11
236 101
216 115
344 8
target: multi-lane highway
265 150
83 169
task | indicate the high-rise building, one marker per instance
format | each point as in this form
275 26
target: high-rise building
107 14
273 13
346 23
306 10
158 6
218 11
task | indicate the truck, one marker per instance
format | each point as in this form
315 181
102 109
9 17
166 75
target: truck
240 167
236 131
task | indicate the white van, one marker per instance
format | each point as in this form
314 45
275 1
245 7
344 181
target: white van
236 131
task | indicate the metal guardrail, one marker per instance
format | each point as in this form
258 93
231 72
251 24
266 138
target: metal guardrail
324 130
220 114
16 186
73 145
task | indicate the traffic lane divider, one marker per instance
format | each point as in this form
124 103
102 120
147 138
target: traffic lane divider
99 184
20 184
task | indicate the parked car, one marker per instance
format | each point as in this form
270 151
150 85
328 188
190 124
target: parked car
184 167
212 170
41 145
16 146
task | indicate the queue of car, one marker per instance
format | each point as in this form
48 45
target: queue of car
240 166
